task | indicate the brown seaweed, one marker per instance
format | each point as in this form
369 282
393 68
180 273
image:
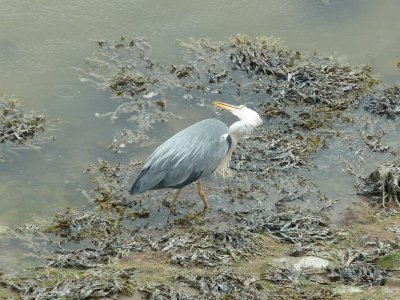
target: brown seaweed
20 129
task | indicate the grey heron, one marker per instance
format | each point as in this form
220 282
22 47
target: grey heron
197 151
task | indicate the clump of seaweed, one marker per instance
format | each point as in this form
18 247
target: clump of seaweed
74 226
373 140
297 226
350 266
121 66
110 190
225 284
219 284
101 238
386 102
101 252
210 248
310 292
229 284
359 272
49 283
287 274
20 129
383 184
130 83
357 267
277 152
161 291
283 74
288 75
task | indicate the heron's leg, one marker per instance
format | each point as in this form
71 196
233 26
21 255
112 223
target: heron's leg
202 194
395 190
176 195
397 199
384 197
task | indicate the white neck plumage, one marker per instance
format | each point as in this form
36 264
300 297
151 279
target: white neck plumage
244 127
249 120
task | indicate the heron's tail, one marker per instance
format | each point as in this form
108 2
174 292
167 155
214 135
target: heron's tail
147 180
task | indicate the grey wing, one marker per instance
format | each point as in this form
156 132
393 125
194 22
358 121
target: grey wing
190 154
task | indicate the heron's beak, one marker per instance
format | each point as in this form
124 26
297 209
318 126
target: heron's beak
226 106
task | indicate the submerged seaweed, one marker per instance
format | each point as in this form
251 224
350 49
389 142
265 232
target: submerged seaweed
386 102
20 129
125 68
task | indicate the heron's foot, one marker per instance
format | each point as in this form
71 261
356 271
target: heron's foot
205 209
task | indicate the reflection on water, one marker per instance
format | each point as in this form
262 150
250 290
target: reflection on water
42 44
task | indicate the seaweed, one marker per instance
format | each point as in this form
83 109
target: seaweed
286 274
229 284
125 68
386 102
383 184
20 129
160 291
356 267
299 226
225 284
349 266
299 78
48 283
305 100
110 182
100 239
219 284
209 248
309 89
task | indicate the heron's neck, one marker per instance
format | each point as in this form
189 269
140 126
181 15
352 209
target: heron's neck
241 128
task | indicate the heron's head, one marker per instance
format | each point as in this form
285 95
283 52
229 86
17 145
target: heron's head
249 119
249 116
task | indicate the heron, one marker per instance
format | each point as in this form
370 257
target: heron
197 151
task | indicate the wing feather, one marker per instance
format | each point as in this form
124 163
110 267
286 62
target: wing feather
188 155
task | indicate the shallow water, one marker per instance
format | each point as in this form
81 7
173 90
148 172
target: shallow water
42 44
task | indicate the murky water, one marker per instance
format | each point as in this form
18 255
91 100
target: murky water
42 42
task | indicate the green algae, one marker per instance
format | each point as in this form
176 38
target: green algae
390 261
